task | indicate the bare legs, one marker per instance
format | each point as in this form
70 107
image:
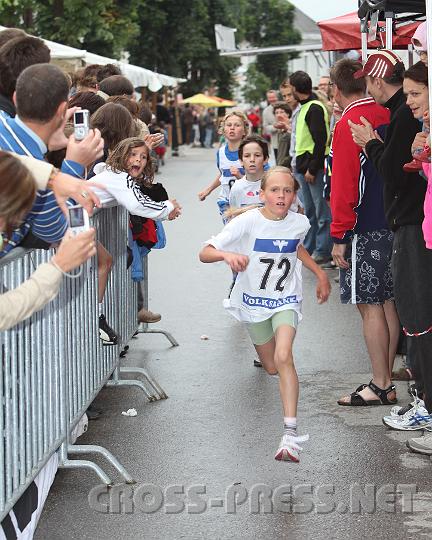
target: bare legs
381 333
276 357
105 260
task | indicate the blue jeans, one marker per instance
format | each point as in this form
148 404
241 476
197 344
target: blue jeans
208 137
318 239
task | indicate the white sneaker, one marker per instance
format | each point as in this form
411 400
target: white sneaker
421 445
289 450
397 411
415 419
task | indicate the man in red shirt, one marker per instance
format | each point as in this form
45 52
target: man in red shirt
362 238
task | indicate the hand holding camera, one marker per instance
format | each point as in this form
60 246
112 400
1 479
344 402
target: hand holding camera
87 150
75 250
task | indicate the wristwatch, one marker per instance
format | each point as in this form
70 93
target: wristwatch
53 174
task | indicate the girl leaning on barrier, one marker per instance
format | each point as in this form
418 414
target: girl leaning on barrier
17 193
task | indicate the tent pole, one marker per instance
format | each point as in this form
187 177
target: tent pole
364 44
389 30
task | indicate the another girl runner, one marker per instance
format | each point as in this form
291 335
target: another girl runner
234 127
263 246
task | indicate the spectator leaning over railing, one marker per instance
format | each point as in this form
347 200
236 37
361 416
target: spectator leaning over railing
128 172
41 101
16 199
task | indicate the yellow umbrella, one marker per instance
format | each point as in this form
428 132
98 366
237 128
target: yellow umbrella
202 99
225 102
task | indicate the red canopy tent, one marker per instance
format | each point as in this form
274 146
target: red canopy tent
343 33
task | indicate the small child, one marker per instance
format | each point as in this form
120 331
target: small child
263 245
234 127
127 167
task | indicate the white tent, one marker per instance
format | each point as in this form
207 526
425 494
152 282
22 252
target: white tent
139 77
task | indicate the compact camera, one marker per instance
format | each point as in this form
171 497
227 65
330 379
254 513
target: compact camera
78 219
81 124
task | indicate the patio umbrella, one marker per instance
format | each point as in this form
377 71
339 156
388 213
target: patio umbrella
202 99
225 102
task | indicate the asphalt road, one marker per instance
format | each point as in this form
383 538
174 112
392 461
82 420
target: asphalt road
206 453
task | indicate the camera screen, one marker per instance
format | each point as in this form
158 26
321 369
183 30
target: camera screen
76 217
79 118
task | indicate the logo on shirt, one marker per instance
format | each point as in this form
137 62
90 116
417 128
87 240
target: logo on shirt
276 245
270 303
252 193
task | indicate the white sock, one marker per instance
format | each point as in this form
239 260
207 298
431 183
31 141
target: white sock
290 425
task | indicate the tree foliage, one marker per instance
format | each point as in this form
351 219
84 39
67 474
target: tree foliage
103 26
273 26
257 84
172 37
188 45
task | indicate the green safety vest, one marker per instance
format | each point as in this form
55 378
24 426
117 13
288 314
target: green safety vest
304 141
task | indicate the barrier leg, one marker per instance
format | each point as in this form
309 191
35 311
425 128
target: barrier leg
92 448
143 329
161 394
66 463
85 464
116 381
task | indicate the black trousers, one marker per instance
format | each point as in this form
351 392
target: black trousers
412 277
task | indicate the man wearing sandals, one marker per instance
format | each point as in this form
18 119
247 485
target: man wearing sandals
362 239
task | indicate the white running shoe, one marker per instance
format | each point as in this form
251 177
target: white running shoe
397 411
416 418
289 450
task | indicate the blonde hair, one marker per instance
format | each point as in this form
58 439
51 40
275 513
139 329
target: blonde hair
279 169
17 196
240 115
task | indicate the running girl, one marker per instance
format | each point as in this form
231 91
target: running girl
129 166
234 127
263 246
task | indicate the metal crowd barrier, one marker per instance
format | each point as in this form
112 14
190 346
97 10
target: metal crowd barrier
54 364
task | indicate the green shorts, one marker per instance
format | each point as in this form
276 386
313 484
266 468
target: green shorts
262 332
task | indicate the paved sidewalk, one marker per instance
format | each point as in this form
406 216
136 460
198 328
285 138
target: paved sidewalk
222 422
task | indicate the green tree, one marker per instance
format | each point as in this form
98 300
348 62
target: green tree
101 26
188 47
256 86
270 24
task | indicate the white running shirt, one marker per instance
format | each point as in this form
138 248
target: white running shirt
245 193
225 159
272 281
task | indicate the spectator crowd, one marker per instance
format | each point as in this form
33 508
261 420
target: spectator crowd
352 165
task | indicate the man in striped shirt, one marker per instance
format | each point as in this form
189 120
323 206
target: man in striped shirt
41 102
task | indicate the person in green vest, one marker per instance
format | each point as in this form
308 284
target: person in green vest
312 146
